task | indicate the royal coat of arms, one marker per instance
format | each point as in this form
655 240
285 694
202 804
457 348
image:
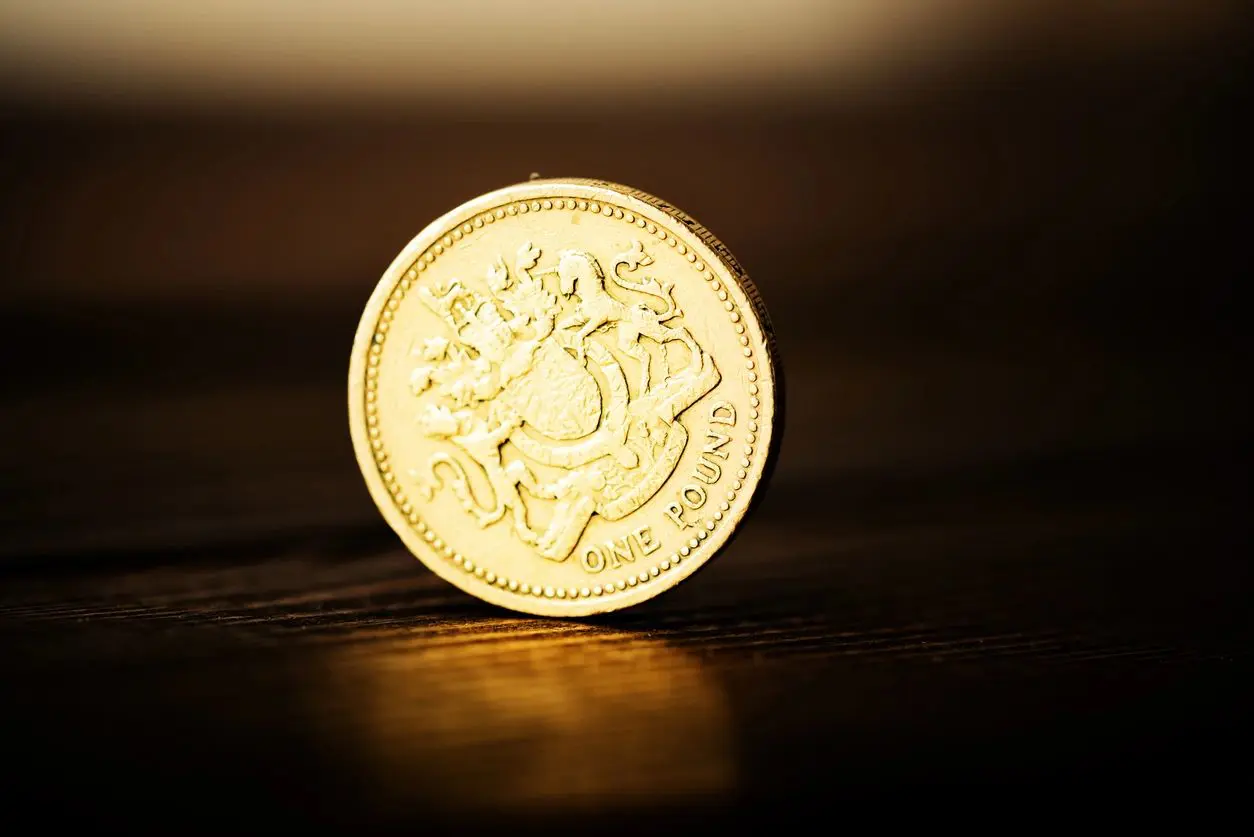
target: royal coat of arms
530 392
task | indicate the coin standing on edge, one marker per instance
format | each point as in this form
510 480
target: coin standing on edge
564 396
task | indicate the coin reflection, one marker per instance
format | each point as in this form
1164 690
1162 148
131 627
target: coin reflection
538 716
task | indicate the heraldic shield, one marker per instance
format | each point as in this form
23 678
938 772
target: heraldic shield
538 362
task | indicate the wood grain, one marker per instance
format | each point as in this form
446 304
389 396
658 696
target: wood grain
929 635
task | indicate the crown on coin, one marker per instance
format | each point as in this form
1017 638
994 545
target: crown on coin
473 318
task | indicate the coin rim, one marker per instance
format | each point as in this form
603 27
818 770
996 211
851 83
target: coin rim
710 250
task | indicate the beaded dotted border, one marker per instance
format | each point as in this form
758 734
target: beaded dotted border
403 502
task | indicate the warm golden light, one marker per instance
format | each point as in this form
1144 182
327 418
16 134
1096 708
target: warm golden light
289 50
554 717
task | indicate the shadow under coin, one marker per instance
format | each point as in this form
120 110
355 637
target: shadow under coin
528 717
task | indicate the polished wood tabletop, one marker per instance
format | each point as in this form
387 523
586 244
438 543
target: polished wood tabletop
896 642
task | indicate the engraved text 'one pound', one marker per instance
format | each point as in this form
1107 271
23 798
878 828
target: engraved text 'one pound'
613 554
708 468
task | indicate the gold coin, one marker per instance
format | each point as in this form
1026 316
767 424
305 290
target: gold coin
564 396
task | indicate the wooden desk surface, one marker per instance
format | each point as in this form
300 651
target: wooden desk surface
920 638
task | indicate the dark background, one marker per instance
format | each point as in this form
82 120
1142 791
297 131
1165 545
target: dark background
1006 539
